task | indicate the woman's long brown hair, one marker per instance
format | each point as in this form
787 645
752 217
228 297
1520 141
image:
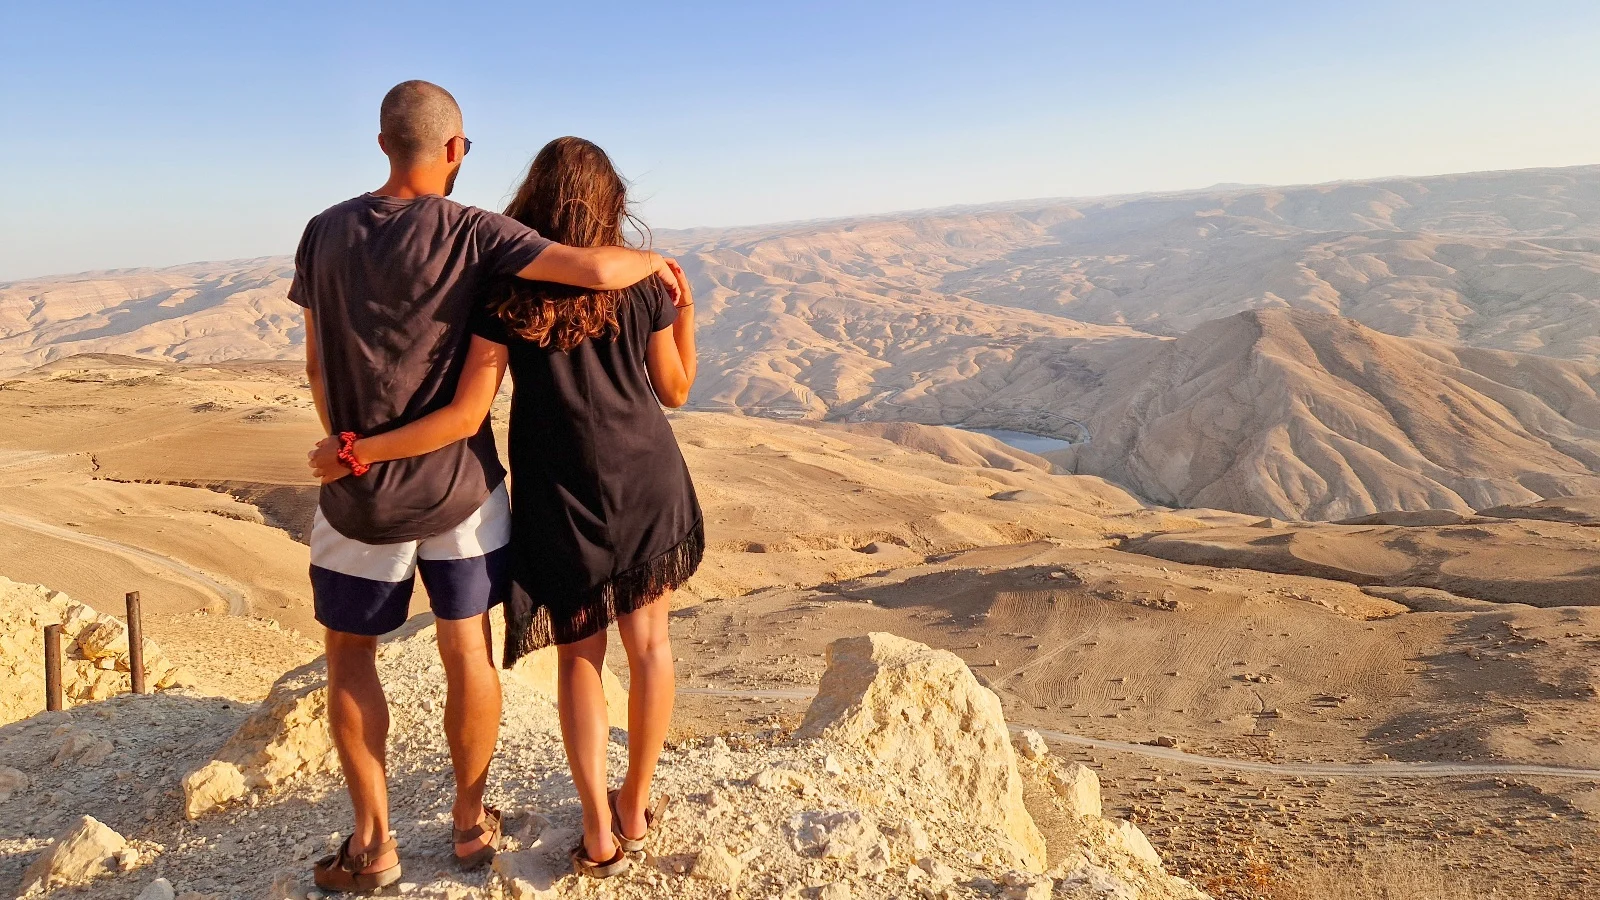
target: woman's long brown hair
574 196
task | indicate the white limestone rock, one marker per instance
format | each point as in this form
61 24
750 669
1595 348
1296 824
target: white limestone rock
83 748
921 712
160 889
844 834
211 786
1031 745
81 854
1092 882
105 639
12 783
715 864
775 779
287 737
1126 837
1078 786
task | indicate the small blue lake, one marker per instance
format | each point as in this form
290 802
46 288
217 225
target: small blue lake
1031 443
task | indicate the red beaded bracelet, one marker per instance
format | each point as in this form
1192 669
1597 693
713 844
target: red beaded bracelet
347 453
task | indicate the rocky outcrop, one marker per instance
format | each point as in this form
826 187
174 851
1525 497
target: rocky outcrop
922 718
836 814
86 851
94 652
285 738
921 712
1077 786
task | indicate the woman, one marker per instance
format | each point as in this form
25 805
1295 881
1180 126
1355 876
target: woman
605 520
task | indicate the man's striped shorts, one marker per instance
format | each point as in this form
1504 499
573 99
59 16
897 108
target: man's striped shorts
366 588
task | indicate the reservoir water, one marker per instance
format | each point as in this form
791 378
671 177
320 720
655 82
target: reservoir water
1032 443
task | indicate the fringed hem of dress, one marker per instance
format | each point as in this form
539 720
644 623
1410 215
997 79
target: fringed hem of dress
530 627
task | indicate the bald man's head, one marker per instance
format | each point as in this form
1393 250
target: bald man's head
416 120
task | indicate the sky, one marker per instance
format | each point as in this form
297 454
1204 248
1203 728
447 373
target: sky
157 133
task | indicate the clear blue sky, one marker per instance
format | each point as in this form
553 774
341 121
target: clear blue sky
157 133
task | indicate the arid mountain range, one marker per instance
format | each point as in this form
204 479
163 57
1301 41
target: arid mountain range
1298 414
1311 352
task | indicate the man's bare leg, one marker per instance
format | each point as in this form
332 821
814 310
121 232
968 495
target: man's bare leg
471 715
358 716
650 694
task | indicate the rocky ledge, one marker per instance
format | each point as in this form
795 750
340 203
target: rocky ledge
901 782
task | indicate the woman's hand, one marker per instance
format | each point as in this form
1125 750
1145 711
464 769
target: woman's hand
324 460
678 284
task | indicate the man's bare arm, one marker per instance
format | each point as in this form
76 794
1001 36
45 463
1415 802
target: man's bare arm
319 394
596 268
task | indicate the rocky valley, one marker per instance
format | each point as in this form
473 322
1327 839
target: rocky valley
1301 607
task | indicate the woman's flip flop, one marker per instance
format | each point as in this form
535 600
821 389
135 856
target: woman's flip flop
585 867
651 817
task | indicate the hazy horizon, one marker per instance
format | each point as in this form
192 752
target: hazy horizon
1219 187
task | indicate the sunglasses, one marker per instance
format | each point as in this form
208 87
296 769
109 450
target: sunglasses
466 144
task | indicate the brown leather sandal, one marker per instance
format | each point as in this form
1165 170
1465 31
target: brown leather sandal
584 867
342 872
490 829
651 817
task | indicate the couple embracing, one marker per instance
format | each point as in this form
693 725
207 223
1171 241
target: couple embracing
415 306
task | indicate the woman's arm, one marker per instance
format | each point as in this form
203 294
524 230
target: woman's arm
670 358
475 392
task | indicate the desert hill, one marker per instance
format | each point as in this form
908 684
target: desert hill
1504 260
1046 316
799 313
1305 415
201 312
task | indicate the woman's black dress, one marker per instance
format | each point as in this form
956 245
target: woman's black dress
604 514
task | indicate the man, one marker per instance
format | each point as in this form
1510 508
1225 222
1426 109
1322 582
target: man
388 281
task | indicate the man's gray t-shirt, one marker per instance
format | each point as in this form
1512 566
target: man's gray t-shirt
391 285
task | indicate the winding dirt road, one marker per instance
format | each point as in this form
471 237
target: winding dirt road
238 603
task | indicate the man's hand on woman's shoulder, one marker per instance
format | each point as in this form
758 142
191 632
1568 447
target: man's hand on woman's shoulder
677 284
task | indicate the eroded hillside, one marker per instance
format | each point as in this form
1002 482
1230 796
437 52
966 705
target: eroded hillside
1057 317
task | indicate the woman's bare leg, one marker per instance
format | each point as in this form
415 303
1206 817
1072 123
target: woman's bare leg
650 695
584 731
